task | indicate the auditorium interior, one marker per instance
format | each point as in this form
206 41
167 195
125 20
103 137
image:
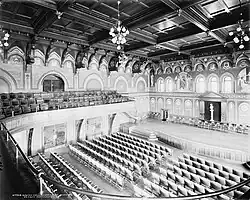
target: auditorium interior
124 99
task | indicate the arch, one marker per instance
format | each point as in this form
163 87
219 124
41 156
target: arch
169 84
213 83
93 77
212 66
112 66
188 108
5 86
226 64
103 64
139 85
39 57
152 105
168 70
244 113
15 50
7 77
187 68
169 105
178 107
160 104
136 67
121 87
93 63
177 69
52 72
160 85
53 83
54 60
15 59
199 88
199 67
224 87
242 61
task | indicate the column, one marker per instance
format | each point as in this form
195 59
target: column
111 118
202 109
71 135
37 140
223 111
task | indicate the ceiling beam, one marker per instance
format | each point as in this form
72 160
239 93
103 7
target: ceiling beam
45 21
191 15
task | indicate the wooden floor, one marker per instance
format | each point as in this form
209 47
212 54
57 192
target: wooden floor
235 141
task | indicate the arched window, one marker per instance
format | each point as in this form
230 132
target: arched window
169 85
160 85
213 84
200 85
53 83
227 85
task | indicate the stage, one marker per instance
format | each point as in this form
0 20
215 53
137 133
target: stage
232 146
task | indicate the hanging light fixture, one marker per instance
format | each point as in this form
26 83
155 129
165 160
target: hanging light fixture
240 34
4 37
118 32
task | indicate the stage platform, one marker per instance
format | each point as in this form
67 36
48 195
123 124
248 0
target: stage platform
232 146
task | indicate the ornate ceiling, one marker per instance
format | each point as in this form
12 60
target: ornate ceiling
159 29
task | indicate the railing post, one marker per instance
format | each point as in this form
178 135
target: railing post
40 184
12 113
7 135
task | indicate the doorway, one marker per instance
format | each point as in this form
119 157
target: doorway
217 111
53 83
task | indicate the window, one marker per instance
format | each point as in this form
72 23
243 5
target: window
213 84
169 85
227 85
160 85
200 85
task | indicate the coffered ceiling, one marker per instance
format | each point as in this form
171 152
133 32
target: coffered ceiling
159 29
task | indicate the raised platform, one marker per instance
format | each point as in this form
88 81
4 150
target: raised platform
212 143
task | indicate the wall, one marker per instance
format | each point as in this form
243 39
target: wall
184 97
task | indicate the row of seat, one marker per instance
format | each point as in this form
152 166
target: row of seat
50 188
67 94
56 172
212 125
97 164
151 156
217 166
123 169
128 161
146 144
205 178
74 174
196 183
21 103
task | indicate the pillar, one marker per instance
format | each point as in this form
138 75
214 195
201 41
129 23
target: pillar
111 118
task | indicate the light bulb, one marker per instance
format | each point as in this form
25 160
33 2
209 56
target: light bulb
119 47
118 28
236 40
241 46
246 38
5 38
7 35
1 44
6 44
123 29
238 29
127 32
112 30
114 40
231 33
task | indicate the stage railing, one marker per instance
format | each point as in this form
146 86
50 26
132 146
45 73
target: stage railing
42 177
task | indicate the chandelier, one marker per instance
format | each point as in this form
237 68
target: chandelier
4 37
118 32
240 34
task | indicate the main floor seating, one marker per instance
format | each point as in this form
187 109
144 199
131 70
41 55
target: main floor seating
146 168
21 103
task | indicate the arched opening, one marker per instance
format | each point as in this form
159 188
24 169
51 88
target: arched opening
53 83
4 86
